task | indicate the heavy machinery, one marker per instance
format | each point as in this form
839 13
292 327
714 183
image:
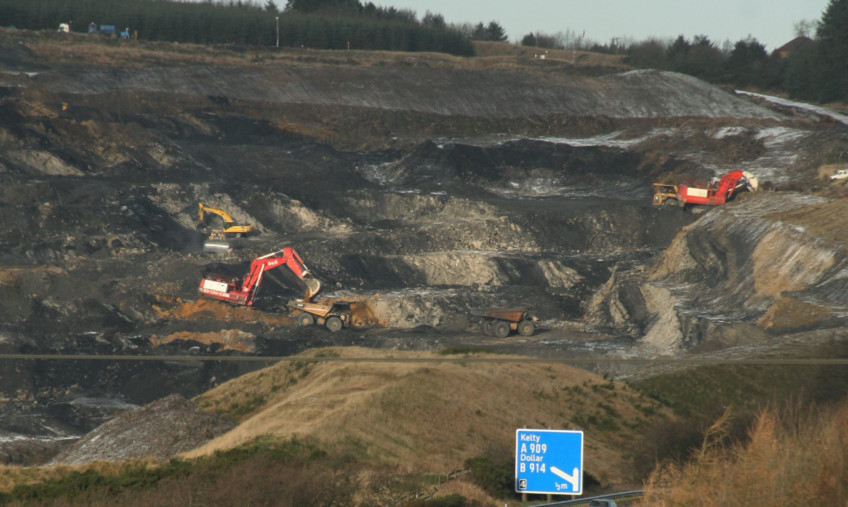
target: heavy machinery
719 190
665 194
501 321
218 223
839 175
242 291
334 316
105 30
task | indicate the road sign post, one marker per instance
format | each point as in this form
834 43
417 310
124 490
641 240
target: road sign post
549 462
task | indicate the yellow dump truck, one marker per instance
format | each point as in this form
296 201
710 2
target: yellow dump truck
500 322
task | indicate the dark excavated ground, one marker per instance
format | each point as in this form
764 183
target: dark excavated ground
115 251
99 254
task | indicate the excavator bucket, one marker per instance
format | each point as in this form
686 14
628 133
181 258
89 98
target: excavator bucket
752 182
313 287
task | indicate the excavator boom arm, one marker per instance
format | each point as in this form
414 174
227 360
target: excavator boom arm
228 289
288 257
228 227
202 209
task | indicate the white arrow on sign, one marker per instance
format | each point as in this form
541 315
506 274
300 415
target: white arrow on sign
572 479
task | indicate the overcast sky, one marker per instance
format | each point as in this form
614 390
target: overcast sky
771 22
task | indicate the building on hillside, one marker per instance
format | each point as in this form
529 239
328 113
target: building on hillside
793 45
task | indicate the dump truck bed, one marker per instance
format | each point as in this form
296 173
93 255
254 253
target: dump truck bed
508 314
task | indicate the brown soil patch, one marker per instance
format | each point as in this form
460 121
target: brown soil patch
828 170
207 309
9 276
828 220
362 315
788 313
229 339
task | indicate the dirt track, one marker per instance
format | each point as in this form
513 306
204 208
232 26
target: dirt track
422 192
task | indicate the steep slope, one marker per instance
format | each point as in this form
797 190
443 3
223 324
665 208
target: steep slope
635 94
769 263
156 431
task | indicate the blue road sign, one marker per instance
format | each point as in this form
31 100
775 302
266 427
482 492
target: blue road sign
549 461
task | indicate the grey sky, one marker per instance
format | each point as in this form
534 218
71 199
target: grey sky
771 22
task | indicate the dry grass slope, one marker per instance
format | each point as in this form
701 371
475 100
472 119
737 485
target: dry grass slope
795 459
54 47
828 220
428 412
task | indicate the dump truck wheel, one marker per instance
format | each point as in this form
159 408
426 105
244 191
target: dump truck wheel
526 328
488 327
305 319
501 329
670 202
334 324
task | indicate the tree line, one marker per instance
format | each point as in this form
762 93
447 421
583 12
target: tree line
811 68
814 69
318 24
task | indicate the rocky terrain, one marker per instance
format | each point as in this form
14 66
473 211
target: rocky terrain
419 186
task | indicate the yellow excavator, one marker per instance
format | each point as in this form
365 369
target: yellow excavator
219 224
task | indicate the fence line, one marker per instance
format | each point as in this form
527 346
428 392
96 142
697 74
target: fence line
427 493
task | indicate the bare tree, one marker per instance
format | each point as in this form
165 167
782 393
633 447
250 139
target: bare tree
806 28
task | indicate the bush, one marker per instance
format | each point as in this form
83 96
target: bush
791 457
496 478
270 465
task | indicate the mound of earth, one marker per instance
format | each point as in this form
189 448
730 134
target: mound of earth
428 412
158 431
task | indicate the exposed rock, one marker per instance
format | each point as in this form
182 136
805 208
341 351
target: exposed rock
43 162
664 336
417 192
159 431
739 264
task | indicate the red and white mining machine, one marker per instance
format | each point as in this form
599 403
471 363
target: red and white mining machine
719 191
242 291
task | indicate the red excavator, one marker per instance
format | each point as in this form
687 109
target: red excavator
243 291
718 191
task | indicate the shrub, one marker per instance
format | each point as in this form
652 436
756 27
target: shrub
791 457
496 478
